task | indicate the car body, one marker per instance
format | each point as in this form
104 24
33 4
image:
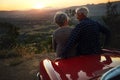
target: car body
83 67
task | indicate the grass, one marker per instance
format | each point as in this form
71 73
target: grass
16 52
15 62
7 54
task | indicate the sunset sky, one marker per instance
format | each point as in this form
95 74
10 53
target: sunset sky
37 4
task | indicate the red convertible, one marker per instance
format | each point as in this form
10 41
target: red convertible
104 66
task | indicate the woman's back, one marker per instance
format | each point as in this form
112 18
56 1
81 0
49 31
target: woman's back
60 36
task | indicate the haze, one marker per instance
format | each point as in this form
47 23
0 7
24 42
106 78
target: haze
41 4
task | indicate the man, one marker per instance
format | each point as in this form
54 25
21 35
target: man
86 35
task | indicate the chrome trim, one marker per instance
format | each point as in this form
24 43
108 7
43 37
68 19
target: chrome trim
38 76
111 73
54 75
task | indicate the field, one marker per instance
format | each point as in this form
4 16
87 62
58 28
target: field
34 44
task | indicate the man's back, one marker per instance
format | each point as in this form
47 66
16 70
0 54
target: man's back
87 37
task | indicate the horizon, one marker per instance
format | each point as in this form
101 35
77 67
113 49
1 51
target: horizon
23 5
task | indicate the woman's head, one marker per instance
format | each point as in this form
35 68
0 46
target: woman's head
61 19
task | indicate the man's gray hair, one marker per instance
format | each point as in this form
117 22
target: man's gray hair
83 10
60 18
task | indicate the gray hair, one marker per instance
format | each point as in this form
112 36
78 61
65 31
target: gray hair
83 10
60 18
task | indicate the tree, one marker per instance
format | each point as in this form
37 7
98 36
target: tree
112 19
70 12
111 9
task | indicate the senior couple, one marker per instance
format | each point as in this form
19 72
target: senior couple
83 39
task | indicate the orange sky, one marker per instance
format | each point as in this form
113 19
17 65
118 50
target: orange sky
32 4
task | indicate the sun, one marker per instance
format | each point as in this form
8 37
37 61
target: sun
38 6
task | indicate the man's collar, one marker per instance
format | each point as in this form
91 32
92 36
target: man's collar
84 19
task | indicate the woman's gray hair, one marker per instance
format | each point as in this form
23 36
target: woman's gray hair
60 18
83 10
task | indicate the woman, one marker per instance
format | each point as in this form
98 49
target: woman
61 34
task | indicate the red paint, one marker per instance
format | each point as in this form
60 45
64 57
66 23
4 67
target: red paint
83 67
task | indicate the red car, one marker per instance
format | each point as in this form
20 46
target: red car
84 67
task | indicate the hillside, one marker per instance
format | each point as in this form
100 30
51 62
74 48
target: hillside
97 9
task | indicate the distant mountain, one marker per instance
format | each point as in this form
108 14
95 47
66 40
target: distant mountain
97 9
94 10
25 14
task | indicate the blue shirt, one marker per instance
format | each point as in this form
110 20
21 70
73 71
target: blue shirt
86 37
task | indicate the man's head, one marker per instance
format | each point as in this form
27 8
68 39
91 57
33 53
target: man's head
81 13
61 19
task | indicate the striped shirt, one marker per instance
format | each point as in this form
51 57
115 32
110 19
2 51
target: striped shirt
86 35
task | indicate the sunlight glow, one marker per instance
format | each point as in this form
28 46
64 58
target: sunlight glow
39 6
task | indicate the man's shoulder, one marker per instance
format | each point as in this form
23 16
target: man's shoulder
89 21
82 23
85 23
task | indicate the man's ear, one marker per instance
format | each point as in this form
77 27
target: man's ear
78 16
66 22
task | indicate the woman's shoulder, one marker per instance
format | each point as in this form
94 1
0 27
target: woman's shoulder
63 30
66 29
56 30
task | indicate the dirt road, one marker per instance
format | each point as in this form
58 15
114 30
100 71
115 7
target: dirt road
25 69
